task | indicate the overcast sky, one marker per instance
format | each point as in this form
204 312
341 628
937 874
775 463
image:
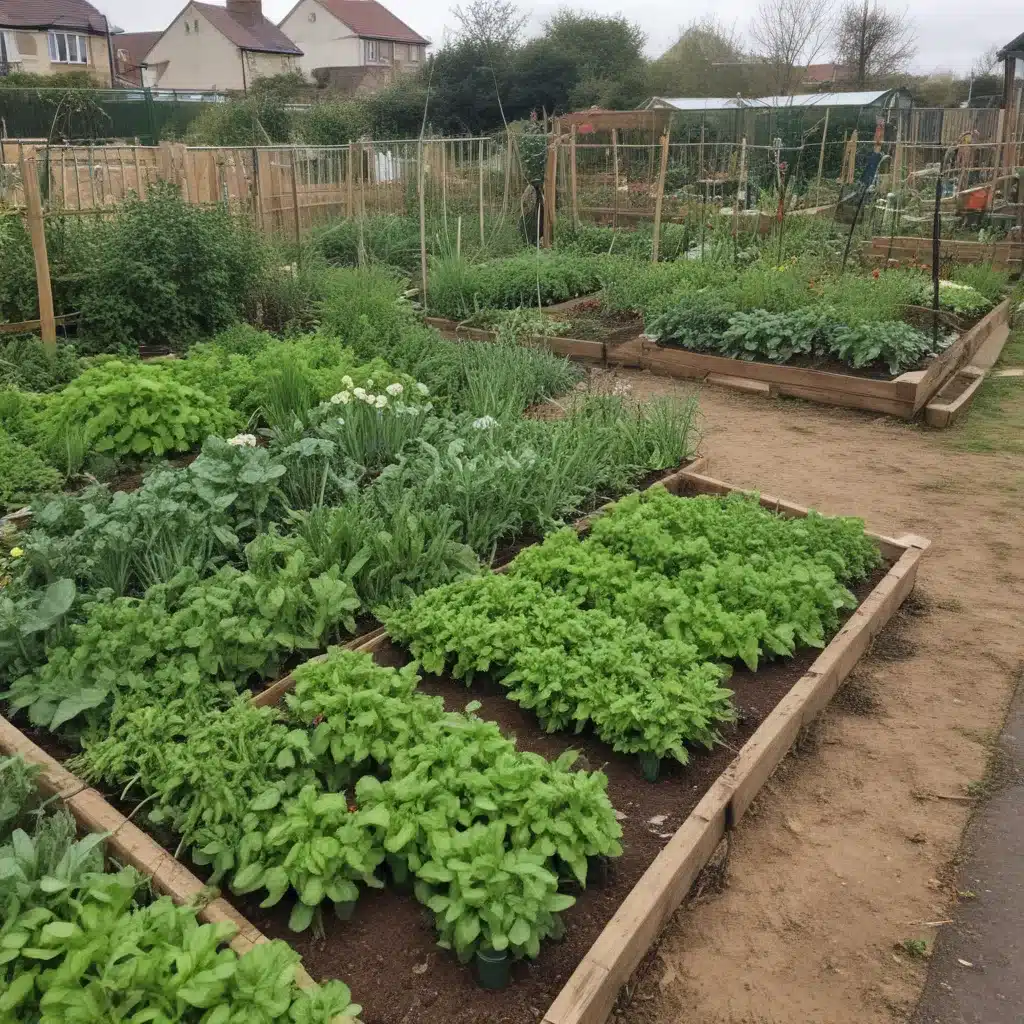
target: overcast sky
951 34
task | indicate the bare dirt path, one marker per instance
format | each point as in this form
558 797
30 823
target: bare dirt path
850 849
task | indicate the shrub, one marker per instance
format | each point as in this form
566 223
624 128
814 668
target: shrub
984 278
23 473
25 364
166 272
134 409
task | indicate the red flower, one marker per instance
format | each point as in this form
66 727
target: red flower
875 273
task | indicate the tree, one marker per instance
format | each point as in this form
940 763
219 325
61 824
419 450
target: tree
600 47
789 34
542 78
872 41
490 22
708 59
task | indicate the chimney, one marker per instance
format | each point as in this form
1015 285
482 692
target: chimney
247 12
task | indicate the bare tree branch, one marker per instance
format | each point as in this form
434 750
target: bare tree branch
874 42
491 22
789 34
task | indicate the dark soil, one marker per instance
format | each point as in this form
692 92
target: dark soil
388 954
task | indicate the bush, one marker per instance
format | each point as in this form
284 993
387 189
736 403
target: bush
68 247
25 364
23 474
126 409
167 272
253 121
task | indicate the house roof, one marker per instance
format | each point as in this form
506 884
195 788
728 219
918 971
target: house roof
69 14
262 37
1014 46
136 45
372 20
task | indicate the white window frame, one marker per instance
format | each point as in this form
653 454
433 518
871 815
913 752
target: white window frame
372 51
414 53
73 42
9 40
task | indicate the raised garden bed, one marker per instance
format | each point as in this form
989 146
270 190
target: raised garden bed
388 952
913 249
905 396
671 829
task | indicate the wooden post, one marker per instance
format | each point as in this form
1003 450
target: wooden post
821 159
700 158
295 200
350 183
550 188
572 178
37 229
481 150
659 198
423 228
615 167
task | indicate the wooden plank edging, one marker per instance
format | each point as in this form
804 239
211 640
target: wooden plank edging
590 993
959 354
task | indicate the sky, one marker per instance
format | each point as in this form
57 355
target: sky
951 35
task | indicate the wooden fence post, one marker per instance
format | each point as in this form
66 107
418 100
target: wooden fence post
572 178
423 226
660 198
481 148
295 200
37 229
821 159
615 168
550 189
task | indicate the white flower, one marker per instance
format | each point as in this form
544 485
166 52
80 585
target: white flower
341 398
243 441
422 389
368 398
348 382
369 383
394 390
341 422
359 393
382 401
485 423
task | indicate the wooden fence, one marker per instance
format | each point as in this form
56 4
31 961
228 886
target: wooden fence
287 190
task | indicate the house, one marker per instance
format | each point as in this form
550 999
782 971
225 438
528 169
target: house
130 50
47 37
827 74
209 48
358 44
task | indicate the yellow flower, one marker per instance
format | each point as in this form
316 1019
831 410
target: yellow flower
17 552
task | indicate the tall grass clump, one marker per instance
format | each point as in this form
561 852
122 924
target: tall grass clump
984 278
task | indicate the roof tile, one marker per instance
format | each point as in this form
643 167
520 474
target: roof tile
264 36
372 20
69 14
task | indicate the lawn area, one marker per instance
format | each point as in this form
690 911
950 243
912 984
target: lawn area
996 420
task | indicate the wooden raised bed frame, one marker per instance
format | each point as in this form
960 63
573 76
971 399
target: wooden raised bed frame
591 991
905 396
